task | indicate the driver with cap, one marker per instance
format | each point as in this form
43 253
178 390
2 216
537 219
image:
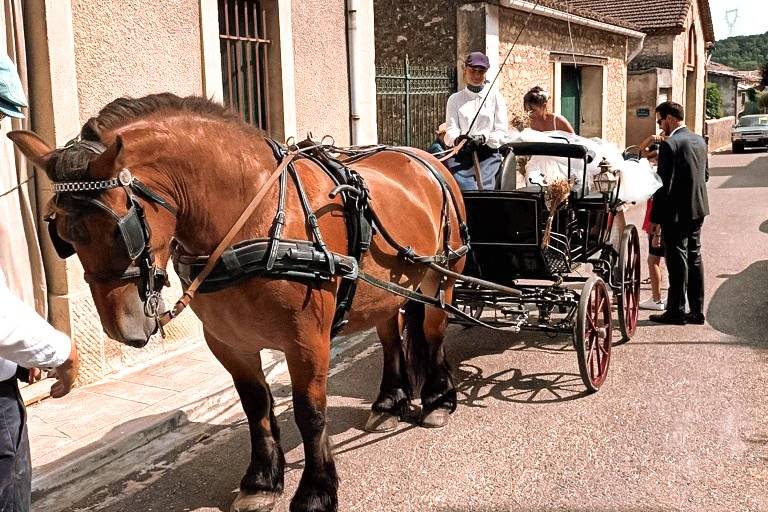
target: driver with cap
477 164
27 342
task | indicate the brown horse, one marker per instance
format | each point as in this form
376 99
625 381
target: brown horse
201 167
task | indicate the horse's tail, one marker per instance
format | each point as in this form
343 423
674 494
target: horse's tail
415 347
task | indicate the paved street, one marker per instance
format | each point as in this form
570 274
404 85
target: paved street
680 424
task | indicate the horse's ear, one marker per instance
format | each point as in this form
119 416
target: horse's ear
104 166
32 146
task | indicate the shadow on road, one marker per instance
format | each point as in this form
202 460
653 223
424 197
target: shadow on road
764 227
640 508
751 176
200 481
513 386
740 306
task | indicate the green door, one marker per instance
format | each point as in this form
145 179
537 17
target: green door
570 97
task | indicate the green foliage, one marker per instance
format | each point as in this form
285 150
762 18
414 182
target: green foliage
752 95
751 108
742 52
762 101
714 102
764 74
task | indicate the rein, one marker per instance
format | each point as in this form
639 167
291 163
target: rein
189 293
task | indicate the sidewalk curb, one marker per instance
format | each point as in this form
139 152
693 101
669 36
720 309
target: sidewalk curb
74 468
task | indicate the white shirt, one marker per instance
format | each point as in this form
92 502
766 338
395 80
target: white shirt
26 338
677 129
491 122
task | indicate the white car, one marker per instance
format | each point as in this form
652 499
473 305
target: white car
751 131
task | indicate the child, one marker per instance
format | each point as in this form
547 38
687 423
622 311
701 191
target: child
655 244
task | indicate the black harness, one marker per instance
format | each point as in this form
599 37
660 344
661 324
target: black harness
133 229
272 257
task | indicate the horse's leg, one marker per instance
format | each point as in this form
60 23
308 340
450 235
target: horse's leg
263 481
392 401
308 365
438 394
438 391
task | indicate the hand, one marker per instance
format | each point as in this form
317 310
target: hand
479 140
35 374
66 374
473 141
460 138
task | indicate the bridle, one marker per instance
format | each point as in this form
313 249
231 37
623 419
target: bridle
133 228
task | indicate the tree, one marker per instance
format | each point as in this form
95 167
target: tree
764 74
714 102
762 101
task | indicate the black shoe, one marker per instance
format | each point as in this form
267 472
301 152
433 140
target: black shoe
667 318
694 318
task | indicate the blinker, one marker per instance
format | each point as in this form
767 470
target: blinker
132 233
63 248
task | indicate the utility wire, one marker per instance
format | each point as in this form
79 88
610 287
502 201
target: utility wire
17 186
514 43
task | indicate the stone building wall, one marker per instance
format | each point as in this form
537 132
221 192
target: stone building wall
669 51
727 87
530 64
426 31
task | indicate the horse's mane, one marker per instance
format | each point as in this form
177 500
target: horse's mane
126 110
70 163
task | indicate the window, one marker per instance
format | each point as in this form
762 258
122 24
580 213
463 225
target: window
244 64
690 59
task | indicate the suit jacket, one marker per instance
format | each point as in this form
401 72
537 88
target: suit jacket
684 171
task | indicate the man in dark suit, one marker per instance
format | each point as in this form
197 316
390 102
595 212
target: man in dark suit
679 208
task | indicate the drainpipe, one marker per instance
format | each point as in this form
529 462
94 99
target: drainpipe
362 72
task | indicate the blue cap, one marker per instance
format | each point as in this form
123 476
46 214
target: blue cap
477 60
12 97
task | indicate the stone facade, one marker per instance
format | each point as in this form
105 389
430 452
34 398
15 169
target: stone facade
426 31
440 33
531 64
685 54
728 87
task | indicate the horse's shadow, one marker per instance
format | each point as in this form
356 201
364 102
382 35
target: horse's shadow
352 386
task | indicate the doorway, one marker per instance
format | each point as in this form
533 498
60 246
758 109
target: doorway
570 96
582 98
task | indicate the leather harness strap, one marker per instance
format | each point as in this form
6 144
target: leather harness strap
189 293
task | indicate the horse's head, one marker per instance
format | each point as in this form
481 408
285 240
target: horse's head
107 210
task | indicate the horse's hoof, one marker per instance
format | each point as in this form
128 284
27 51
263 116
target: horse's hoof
436 419
381 422
254 502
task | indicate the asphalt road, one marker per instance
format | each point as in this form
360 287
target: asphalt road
680 425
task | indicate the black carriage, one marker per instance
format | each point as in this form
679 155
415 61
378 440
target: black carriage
507 247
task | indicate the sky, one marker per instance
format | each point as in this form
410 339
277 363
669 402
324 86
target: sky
752 17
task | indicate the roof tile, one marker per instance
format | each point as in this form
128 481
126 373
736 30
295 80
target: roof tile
650 15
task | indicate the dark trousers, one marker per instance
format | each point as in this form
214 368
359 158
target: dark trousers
15 462
682 245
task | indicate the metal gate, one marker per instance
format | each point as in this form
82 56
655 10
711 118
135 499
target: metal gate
410 102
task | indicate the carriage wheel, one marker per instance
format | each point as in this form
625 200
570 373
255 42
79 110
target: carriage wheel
628 279
473 309
592 334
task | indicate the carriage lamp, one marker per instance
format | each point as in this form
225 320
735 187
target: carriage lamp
605 181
